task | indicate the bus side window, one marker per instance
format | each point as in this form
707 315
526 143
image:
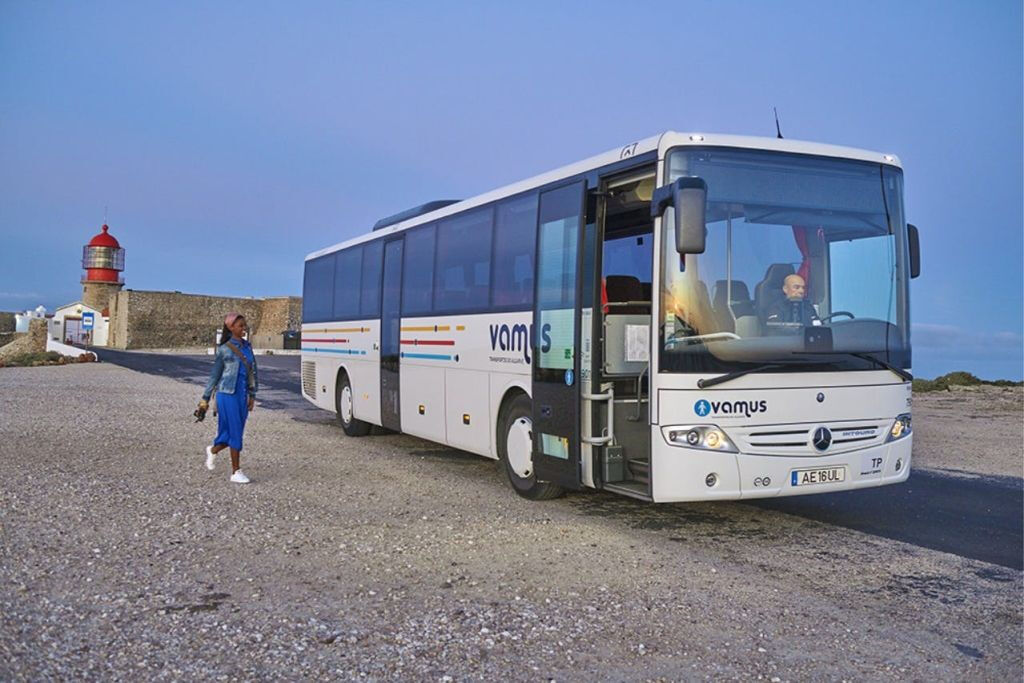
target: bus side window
369 295
318 289
418 271
347 274
463 261
515 235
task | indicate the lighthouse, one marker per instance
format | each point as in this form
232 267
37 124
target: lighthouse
103 261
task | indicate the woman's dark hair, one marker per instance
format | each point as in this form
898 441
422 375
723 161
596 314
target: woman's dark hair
225 333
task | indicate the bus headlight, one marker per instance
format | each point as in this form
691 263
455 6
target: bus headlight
705 437
900 427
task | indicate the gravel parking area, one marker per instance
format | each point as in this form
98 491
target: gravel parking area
388 557
971 431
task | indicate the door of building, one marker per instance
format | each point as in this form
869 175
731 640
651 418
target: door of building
73 332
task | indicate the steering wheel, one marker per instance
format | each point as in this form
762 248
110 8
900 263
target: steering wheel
835 313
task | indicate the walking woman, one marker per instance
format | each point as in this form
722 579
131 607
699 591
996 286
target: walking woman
234 376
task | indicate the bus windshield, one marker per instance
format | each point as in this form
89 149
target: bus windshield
805 264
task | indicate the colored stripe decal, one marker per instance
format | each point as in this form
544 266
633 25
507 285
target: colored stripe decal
426 356
460 328
429 342
342 329
427 328
318 339
350 352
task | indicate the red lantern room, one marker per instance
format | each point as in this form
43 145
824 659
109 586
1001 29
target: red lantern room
103 259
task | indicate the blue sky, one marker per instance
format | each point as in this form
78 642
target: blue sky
230 139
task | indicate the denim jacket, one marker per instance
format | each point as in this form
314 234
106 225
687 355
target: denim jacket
225 371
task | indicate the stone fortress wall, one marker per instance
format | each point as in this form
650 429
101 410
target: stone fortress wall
33 341
278 314
159 320
7 326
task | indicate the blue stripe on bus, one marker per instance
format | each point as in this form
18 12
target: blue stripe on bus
427 356
350 352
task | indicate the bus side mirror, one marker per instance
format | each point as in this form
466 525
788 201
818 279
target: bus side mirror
914 242
689 197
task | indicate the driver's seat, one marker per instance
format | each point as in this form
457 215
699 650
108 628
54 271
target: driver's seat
769 290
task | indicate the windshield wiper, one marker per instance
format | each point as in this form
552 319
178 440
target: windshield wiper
900 372
712 381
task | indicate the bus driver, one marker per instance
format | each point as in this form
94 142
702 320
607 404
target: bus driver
794 309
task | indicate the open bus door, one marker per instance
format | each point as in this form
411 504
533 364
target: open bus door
556 336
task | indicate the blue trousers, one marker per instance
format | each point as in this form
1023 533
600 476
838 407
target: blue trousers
232 409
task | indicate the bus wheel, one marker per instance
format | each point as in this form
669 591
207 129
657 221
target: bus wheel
343 404
515 448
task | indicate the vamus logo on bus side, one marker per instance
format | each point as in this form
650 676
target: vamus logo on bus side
703 408
516 339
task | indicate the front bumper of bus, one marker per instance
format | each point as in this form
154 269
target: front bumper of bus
688 474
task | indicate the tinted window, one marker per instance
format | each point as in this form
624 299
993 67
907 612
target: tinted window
463 274
318 289
369 301
515 231
346 283
559 235
418 271
557 263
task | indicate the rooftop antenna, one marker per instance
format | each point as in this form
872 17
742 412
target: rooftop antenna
778 131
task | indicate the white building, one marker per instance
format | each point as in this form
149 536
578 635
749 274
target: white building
70 322
21 320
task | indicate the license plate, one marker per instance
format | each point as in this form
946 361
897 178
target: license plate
819 475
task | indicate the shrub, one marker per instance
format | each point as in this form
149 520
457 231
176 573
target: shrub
29 359
958 378
925 385
961 378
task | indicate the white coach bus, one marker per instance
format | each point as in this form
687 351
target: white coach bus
689 317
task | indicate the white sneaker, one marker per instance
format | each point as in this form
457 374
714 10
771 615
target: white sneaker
210 456
239 477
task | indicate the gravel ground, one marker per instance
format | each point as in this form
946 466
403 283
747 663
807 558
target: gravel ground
971 430
389 557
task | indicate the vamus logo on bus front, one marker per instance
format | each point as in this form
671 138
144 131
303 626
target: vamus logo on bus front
516 338
704 408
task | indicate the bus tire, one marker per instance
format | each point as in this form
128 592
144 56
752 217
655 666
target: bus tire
343 400
516 434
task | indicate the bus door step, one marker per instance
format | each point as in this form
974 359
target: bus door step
640 470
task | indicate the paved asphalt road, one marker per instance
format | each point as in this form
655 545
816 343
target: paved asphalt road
979 518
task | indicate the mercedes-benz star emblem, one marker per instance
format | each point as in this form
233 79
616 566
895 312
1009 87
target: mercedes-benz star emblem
822 438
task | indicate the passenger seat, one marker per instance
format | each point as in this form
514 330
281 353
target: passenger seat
741 303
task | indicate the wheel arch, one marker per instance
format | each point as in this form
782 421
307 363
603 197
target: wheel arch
511 391
342 371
